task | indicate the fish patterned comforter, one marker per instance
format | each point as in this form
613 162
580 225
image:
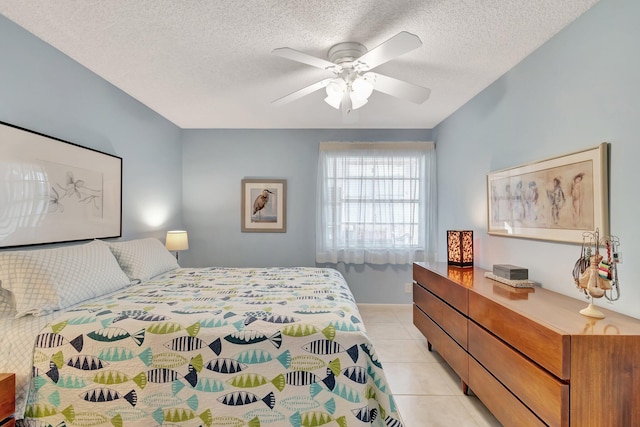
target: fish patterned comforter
213 347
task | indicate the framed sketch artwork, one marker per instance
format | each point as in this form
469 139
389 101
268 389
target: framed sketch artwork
264 204
55 191
554 199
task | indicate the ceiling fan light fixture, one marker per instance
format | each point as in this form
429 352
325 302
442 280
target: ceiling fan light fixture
335 92
362 88
356 101
334 100
336 87
353 81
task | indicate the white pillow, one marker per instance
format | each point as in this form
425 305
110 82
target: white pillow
143 259
46 280
6 303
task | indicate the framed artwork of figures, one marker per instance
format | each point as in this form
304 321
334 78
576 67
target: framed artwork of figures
554 199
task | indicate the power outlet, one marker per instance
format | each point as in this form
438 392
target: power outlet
408 288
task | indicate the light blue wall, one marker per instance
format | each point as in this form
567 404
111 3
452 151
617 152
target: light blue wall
215 162
578 90
43 90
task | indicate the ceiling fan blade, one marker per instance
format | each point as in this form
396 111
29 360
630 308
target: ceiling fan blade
302 92
305 58
398 88
397 45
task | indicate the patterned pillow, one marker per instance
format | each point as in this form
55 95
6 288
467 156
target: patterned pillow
46 280
143 259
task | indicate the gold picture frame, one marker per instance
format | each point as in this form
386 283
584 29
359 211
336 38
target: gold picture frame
264 206
556 199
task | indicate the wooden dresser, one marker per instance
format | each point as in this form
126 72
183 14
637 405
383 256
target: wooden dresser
528 354
7 400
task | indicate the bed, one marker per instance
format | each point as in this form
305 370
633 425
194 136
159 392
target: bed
163 345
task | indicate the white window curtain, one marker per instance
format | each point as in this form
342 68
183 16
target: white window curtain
376 203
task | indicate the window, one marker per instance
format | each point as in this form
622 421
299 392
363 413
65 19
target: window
376 202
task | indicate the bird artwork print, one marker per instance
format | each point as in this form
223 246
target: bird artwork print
261 201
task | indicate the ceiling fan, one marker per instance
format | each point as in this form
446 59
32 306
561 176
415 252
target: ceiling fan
353 81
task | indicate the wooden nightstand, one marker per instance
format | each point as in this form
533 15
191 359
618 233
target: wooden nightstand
7 400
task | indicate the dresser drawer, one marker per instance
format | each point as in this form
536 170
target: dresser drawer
502 404
548 347
451 321
457 296
541 392
450 351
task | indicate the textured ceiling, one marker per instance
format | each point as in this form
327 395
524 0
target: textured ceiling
207 64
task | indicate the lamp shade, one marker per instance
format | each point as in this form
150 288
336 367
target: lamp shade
334 100
460 248
362 88
357 102
177 240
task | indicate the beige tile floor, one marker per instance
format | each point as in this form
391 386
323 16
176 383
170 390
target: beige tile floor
426 390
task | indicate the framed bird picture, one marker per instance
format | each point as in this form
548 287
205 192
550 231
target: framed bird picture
264 205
